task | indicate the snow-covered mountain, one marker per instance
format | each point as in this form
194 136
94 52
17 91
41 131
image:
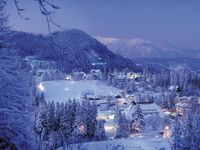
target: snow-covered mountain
72 49
139 48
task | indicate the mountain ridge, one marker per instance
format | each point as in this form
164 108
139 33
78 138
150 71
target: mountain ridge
139 48
73 49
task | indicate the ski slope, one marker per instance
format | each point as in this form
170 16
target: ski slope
62 90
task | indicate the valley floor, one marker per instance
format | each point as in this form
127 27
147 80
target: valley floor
61 90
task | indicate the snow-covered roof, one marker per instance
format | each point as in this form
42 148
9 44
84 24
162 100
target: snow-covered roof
173 87
183 98
95 70
102 101
31 57
147 109
47 70
180 104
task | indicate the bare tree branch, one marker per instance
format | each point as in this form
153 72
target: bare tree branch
20 10
46 9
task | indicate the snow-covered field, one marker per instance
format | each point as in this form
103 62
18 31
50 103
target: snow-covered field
125 144
62 90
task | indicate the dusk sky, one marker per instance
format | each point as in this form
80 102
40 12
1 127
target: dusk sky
170 21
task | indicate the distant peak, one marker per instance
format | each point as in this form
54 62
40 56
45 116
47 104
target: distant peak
137 41
130 42
107 40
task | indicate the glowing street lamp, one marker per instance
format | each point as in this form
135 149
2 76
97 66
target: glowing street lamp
166 127
167 132
41 87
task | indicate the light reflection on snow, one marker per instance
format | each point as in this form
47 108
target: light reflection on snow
71 82
141 136
167 134
66 89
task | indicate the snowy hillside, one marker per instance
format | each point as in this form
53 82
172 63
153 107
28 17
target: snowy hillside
72 49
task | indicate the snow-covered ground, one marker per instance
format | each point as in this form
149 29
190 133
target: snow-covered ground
125 144
62 90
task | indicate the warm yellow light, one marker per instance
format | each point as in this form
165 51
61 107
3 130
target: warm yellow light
112 117
98 118
167 134
108 127
122 101
102 117
68 77
137 129
168 113
41 87
166 127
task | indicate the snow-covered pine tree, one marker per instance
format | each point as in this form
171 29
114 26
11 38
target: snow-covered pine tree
40 125
58 114
137 121
109 80
117 114
79 127
73 111
51 120
197 131
114 82
38 129
188 130
122 130
33 92
65 124
100 133
145 76
91 121
15 102
42 98
177 134
54 140
176 79
37 99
